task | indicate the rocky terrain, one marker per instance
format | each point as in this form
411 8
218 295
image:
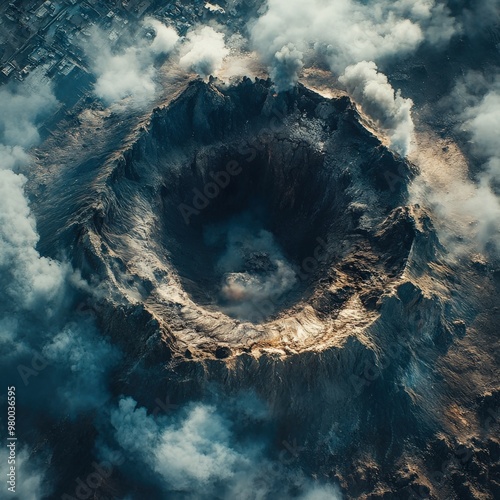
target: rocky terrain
240 240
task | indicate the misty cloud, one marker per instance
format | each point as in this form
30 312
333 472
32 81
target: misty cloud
123 75
86 358
203 51
23 107
352 38
477 16
165 38
199 450
373 92
37 294
129 72
346 32
321 493
481 122
255 273
189 455
29 281
469 205
202 452
13 158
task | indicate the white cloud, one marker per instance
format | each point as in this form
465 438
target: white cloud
189 454
199 452
86 358
469 210
321 492
129 72
23 106
27 280
481 121
346 32
165 38
483 124
36 292
203 51
255 273
288 63
31 281
123 75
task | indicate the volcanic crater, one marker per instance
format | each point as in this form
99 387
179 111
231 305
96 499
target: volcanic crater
241 219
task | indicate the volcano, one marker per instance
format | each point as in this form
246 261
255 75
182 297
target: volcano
265 242
264 216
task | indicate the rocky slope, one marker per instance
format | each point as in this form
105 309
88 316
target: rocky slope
264 243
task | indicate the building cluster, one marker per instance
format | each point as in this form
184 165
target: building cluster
51 33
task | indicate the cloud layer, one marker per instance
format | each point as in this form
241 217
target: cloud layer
480 120
255 273
56 361
202 452
29 281
345 32
128 70
23 108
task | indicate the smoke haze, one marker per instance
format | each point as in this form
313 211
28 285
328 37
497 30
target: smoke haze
203 51
373 92
255 273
